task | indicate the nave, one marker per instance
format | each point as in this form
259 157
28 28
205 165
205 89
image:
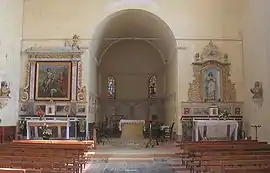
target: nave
70 156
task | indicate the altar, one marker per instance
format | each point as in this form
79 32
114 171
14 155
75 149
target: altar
56 126
215 129
131 130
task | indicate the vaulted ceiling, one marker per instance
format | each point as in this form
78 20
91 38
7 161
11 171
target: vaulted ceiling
133 24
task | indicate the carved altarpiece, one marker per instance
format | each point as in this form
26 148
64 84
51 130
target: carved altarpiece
211 85
72 109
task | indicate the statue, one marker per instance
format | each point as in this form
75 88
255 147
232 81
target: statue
257 91
197 57
4 90
211 87
75 40
73 44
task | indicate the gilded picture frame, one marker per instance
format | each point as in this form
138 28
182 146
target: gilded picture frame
53 81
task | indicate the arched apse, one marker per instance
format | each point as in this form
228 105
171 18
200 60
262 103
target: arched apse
119 38
133 24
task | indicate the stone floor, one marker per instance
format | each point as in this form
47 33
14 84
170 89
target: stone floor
118 158
130 166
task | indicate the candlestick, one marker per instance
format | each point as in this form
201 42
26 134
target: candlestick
256 126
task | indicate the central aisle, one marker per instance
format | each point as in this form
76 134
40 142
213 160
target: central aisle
115 158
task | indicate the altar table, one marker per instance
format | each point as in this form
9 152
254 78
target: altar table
215 129
131 129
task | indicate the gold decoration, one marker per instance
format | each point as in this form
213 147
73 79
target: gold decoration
211 57
52 55
81 96
81 90
24 93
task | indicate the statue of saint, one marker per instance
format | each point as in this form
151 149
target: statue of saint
210 87
4 90
257 91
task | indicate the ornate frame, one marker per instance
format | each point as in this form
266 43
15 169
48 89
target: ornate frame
68 63
78 90
211 57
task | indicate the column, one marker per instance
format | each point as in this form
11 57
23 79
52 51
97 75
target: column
59 131
36 132
67 130
27 130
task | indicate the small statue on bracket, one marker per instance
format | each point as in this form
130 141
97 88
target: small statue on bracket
257 91
73 44
4 90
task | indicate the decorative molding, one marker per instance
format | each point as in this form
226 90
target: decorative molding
24 92
71 52
211 57
81 90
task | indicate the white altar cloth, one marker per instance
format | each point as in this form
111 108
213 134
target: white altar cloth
121 122
216 128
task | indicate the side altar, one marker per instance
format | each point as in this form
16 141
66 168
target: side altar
211 111
52 93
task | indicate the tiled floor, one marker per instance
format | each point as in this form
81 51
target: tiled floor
130 166
115 158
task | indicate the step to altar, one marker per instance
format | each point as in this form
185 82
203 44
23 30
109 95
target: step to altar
133 155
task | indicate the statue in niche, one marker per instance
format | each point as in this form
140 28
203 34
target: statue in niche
211 86
4 90
257 91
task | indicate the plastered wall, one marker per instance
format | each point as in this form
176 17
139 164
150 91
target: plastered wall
49 22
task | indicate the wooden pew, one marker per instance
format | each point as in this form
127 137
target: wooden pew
50 153
11 170
201 155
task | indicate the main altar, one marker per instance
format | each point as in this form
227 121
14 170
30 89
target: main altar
211 111
131 130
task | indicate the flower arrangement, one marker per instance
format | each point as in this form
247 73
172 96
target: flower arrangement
225 114
46 131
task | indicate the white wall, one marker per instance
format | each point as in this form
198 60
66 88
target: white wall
171 89
130 62
10 43
194 19
256 62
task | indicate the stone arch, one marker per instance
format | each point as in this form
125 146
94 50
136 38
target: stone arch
132 26
165 33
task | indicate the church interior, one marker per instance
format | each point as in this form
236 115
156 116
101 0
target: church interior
134 86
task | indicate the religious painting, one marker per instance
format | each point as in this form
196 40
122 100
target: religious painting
237 111
186 110
40 108
211 87
62 109
53 81
23 109
111 87
81 108
152 87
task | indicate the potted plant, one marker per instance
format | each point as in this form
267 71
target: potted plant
82 125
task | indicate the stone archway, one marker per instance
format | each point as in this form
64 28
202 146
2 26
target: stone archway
131 46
